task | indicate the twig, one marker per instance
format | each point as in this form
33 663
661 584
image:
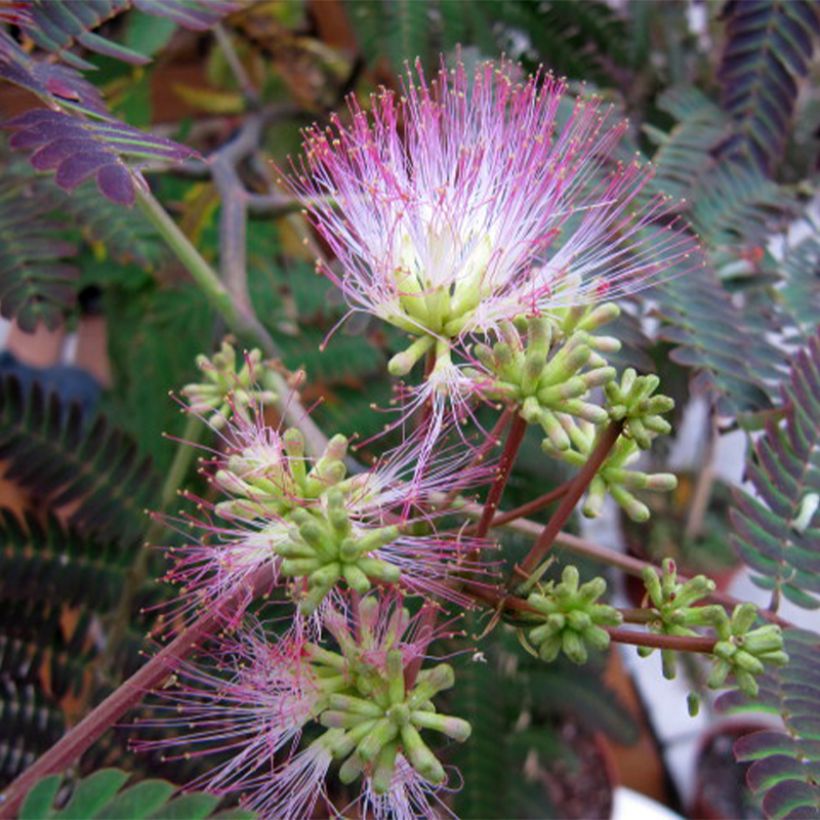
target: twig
232 58
680 643
532 506
626 563
579 485
515 435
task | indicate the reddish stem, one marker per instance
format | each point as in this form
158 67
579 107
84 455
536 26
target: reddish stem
76 741
576 489
679 643
515 435
531 506
492 441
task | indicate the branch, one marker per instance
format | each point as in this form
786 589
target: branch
576 489
677 642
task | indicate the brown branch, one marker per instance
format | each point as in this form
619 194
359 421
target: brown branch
532 506
576 489
515 435
677 642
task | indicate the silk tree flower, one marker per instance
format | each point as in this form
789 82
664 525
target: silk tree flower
471 200
317 527
262 691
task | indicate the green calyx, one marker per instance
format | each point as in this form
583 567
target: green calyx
372 717
613 477
630 400
743 651
674 611
570 618
269 480
547 370
325 547
227 390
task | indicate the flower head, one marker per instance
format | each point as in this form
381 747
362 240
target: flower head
318 528
261 691
471 200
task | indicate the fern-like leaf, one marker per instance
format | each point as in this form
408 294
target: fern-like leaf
52 83
58 25
786 762
36 283
78 149
769 45
687 153
29 724
801 296
54 453
778 536
42 647
52 563
734 364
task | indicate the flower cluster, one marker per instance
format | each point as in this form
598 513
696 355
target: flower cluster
262 694
474 200
486 217
318 528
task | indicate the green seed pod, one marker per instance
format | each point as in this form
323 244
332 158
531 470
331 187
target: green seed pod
349 703
693 704
596 637
355 578
380 570
453 727
549 649
383 732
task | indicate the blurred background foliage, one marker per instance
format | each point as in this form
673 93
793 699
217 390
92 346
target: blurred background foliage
721 96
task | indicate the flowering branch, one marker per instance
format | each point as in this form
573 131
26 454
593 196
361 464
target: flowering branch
515 435
577 488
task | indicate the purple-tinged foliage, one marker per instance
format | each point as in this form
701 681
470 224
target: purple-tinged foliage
778 536
78 149
769 47
57 25
785 762
52 83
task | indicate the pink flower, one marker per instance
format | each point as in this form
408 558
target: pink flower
258 692
255 712
318 528
471 200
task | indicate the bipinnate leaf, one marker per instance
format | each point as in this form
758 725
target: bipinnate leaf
53 83
769 46
36 280
58 25
777 533
62 457
104 794
734 364
77 149
786 762
29 724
